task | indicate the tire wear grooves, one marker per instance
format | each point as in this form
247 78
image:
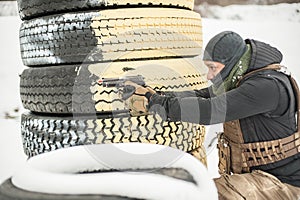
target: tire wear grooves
88 37
41 134
66 89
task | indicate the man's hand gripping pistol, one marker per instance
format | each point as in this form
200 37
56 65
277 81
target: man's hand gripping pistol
134 92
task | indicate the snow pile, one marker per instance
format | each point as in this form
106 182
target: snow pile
47 174
279 12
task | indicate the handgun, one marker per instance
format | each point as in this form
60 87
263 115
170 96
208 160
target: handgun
120 83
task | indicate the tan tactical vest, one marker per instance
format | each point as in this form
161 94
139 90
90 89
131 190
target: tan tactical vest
236 156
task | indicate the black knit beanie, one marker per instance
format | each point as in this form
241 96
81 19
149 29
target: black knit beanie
227 48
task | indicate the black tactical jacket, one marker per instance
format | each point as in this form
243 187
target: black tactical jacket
264 103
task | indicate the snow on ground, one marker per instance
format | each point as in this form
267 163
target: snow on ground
11 152
271 27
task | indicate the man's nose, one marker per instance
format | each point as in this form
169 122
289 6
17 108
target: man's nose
209 75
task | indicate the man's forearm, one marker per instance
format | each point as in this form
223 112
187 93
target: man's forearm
205 93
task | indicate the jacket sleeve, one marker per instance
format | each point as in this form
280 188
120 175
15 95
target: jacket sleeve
205 93
253 97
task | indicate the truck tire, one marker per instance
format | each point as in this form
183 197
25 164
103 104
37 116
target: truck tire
75 89
29 9
42 134
110 35
90 174
8 191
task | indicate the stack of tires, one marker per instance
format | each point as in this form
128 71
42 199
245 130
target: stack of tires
69 46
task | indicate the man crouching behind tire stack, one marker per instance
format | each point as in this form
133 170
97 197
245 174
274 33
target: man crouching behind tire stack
256 99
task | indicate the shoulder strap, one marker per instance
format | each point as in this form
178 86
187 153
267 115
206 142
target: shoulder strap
269 67
297 94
